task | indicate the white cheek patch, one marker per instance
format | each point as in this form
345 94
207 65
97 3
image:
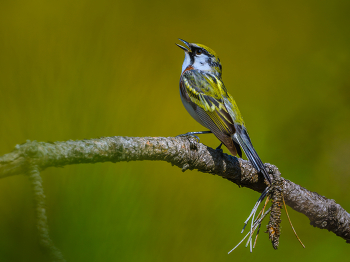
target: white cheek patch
186 62
200 63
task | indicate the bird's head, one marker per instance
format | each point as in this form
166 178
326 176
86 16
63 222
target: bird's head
201 58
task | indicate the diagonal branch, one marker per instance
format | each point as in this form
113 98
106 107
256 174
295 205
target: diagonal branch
183 152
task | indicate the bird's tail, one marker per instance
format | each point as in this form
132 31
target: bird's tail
242 138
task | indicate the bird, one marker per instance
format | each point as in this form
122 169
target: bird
207 100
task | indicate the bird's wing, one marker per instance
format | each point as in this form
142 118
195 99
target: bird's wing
241 137
206 94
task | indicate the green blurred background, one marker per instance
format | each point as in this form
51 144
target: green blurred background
86 69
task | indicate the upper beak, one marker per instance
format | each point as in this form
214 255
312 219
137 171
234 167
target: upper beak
184 48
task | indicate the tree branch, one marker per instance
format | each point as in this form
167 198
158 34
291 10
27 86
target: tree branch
183 152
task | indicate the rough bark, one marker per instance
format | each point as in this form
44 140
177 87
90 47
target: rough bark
183 152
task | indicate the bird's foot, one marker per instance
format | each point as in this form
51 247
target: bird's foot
219 149
193 134
190 135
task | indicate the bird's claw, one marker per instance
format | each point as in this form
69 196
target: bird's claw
190 135
193 145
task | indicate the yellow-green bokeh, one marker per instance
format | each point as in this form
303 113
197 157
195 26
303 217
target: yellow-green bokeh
86 69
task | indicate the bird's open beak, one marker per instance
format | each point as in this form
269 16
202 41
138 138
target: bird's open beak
184 48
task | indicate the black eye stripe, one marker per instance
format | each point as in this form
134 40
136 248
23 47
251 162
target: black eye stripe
198 50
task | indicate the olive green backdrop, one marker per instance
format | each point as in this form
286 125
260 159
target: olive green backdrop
86 69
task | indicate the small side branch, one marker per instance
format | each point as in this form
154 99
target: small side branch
183 152
41 218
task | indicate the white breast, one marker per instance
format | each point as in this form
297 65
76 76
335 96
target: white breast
191 111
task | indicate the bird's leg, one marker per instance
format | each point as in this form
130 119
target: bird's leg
219 148
193 134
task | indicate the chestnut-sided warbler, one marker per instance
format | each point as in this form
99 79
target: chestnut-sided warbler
206 99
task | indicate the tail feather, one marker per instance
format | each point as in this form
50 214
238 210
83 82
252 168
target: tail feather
242 138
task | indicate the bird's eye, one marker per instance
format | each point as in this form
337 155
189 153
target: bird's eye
198 52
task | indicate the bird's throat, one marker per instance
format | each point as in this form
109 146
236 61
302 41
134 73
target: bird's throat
190 67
